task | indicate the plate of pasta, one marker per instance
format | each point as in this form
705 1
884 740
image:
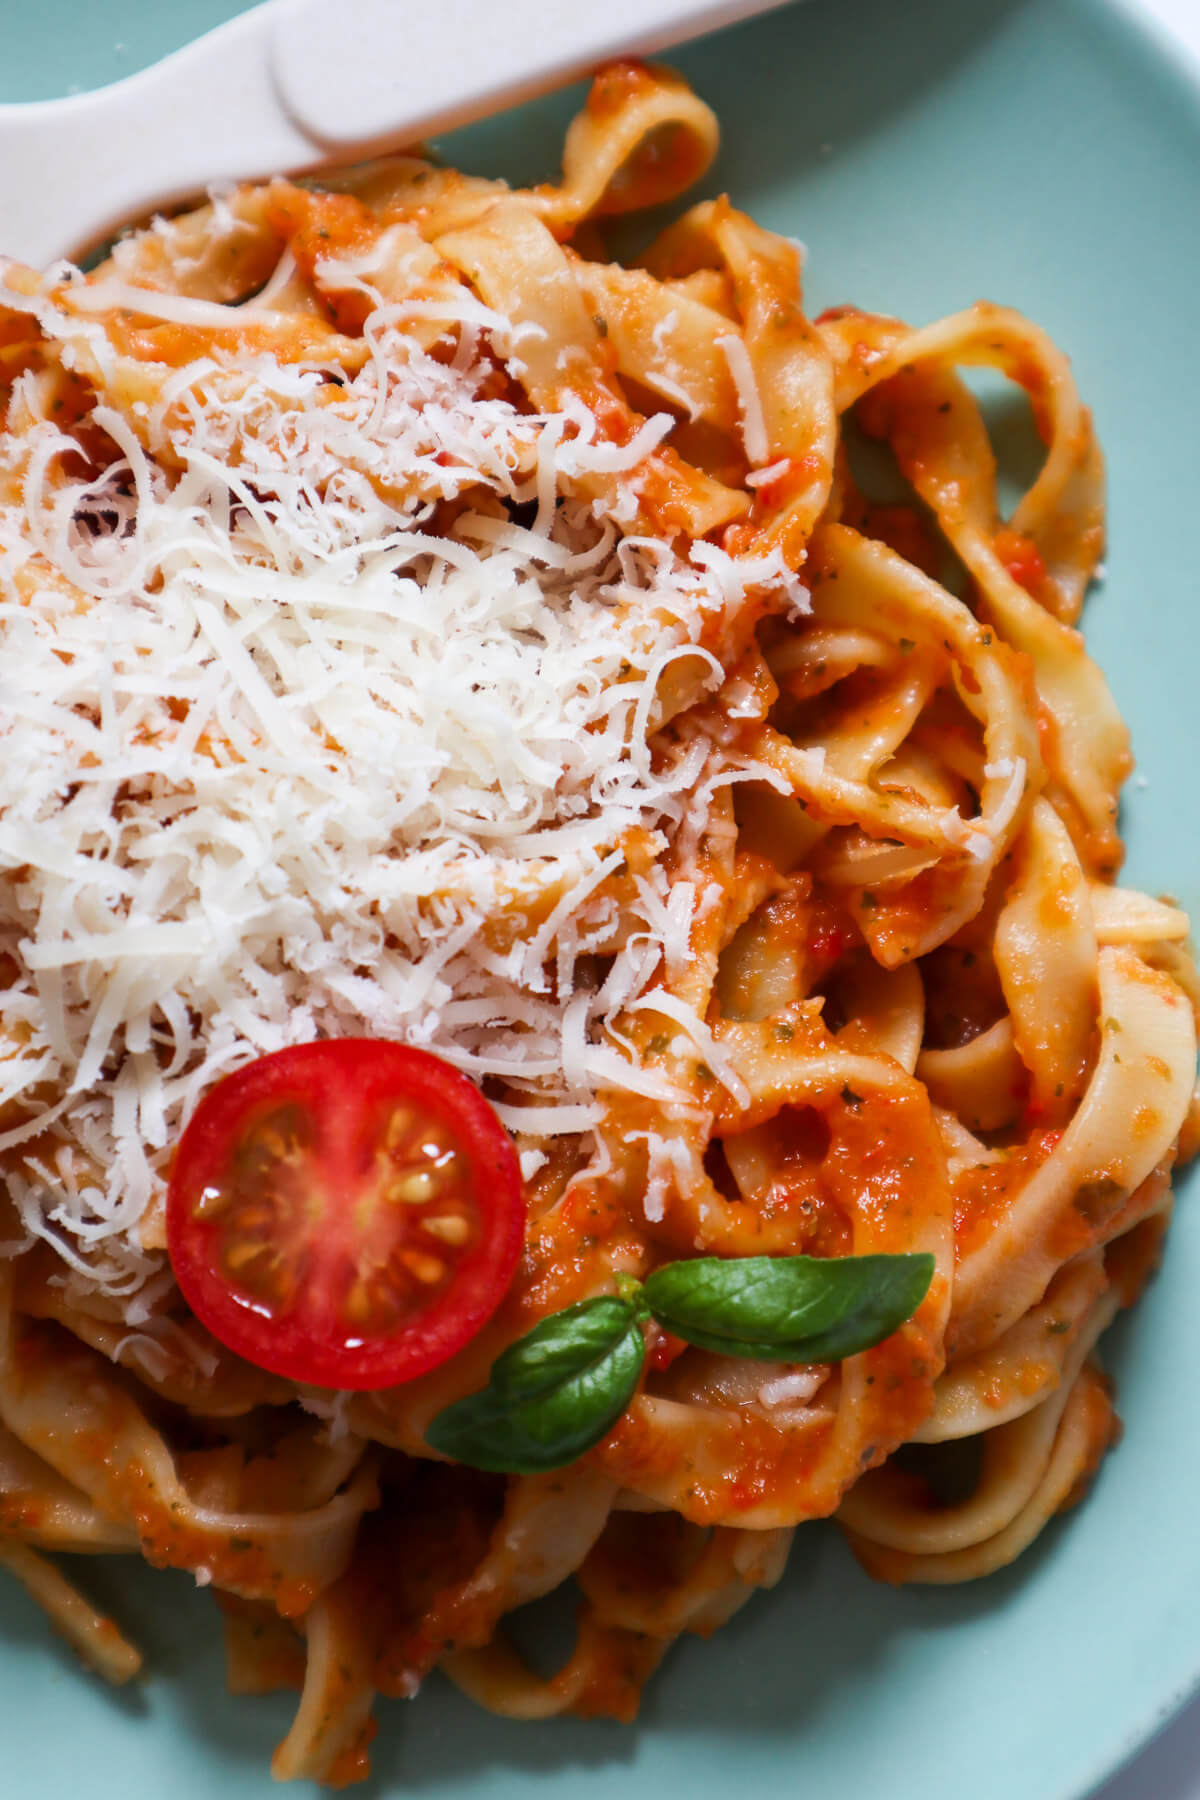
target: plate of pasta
598 1036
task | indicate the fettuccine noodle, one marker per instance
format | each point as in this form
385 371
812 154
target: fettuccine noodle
752 843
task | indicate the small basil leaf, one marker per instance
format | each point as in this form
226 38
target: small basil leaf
551 1395
788 1308
560 1345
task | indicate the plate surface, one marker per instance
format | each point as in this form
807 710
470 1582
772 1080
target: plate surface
1036 152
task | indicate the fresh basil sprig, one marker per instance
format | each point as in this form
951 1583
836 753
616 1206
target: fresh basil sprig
807 1309
562 1387
551 1395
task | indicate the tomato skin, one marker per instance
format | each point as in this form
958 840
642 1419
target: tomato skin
340 1094
664 1347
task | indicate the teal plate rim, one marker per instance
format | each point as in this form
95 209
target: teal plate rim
1045 153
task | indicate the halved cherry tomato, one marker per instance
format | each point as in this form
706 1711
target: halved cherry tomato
346 1213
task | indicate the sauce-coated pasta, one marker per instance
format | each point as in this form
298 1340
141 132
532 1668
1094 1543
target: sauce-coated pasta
418 626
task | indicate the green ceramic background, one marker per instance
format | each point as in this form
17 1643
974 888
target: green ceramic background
929 152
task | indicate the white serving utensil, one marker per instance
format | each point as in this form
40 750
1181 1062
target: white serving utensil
297 83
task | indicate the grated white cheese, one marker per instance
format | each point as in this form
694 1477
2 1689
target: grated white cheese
794 1389
669 1166
772 472
741 370
281 759
811 759
981 839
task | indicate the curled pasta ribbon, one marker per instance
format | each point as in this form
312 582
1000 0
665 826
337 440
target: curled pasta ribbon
937 432
691 1444
332 1727
625 1627
1013 1375
1098 1180
1032 1467
40 1507
59 1400
1063 511
96 1639
861 773
642 138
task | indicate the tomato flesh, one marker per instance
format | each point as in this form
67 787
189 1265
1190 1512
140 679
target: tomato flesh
345 1213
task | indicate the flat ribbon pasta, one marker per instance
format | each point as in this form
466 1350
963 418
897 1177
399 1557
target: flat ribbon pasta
788 929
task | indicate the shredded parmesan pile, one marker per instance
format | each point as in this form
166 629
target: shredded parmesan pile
326 709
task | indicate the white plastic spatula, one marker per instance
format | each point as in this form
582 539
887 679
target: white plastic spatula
297 83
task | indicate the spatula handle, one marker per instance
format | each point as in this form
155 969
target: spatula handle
365 70
296 83
73 170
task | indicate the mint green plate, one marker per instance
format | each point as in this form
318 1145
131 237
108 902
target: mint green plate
929 152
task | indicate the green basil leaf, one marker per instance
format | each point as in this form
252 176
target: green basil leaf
551 1395
788 1308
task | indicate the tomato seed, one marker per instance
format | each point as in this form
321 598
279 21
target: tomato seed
359 1306
240 1260
427 1269
270 1142
238 1255
414 1188
451 1228
254 1218
402 1124
212 1203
